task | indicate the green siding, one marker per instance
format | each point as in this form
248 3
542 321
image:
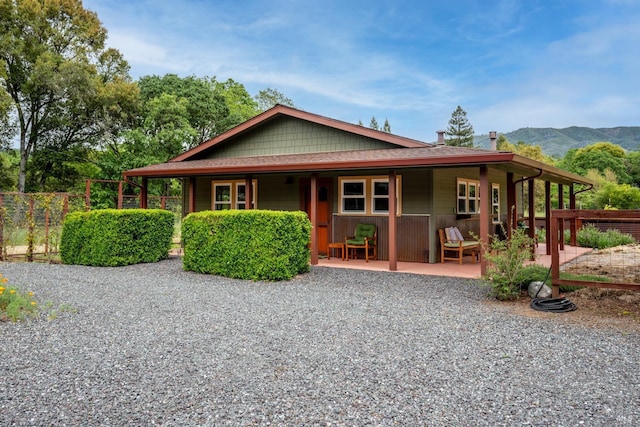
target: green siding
287 135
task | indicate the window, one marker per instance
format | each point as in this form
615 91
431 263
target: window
495 203
241 196
230 195
367 195
222 197
468 196
353 196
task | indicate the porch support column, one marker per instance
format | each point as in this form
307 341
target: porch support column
532 215
512 215
484 214
314 219
120 194
572 224
532 208
143 193
248 192
393 223
547 213
192 195
561 220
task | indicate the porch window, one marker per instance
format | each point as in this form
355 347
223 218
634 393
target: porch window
495 203
367 195
468 196
241 196
353 196
222 197
230 195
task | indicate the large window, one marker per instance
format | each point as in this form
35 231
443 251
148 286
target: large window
230 195
468 196
367 195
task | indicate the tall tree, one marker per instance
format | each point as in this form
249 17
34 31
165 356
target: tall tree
387 127
460 131
374 123
59 76
267 98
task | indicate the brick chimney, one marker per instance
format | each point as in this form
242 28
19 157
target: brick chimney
440 137
492 138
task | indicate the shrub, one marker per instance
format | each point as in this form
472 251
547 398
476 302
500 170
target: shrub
506 260
252 244
113 237
589 236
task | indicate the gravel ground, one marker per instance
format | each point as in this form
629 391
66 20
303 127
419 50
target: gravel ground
152 344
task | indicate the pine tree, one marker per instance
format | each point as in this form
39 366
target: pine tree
374 123
460 131
386 128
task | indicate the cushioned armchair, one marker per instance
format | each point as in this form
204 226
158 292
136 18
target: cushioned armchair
452 241
366 237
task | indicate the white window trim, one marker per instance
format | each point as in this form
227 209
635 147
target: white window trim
358 196
369 198
468 183
233 196
495 217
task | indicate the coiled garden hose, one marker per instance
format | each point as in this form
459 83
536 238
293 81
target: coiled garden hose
553 305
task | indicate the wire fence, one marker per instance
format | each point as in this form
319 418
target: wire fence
31 223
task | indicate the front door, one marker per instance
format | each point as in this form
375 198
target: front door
324 209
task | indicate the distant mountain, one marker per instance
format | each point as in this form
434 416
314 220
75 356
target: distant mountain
556 142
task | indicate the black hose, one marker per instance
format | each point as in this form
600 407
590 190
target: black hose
554 305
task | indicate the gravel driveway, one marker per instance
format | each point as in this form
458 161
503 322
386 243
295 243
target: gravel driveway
152 344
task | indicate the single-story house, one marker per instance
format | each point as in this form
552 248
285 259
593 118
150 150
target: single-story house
343 174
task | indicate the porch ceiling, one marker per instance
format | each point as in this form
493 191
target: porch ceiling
393 158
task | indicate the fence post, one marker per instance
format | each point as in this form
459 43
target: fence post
30 230
87 195
1 226
119 194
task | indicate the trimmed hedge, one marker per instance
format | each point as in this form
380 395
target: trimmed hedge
112 237
251 244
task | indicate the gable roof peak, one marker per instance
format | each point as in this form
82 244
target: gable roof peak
279 110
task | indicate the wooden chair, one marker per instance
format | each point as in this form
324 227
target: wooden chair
457 246
366 237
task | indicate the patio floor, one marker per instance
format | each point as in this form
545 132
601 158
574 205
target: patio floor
449 268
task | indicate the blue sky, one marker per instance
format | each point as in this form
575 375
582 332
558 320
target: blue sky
509 64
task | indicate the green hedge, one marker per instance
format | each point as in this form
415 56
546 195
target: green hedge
252 244
111 237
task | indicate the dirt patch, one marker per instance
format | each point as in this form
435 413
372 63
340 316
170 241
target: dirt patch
598 308
620 264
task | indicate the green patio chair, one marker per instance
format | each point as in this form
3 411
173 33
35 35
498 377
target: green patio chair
366 237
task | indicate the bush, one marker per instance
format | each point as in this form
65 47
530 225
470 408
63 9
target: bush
506 260
111 237
589 236
252 244
14 304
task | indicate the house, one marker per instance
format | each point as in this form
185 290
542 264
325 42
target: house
342 174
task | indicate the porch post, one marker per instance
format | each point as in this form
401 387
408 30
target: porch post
547 213
572 222
192 194
532 215
248 192
484 214
393 223
120 194
561 220
143 193
314 219
511 203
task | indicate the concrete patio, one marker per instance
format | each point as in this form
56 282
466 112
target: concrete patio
467 269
